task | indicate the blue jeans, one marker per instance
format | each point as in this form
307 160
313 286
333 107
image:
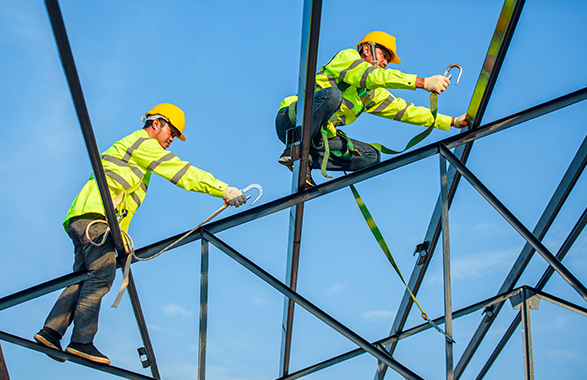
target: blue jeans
326 102
80 303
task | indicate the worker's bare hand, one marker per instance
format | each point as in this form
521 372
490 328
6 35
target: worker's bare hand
234 196
436 83
461 122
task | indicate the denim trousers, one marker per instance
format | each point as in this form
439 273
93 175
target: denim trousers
326 102
80 303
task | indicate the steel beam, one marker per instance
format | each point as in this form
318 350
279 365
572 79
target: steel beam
84 118
77 95
446 269
568 243
514 222
402 335
142 324
308 59
497 50
502 36
556 202
3 368
72 358
203 310
313 309
527 337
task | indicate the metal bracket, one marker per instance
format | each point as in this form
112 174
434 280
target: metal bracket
489 312
530 296
422 251
292 140
143 352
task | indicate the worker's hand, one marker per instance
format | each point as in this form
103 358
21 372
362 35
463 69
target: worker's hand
461 122
234 196
436 83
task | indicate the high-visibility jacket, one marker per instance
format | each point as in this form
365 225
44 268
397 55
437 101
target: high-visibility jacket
363 88
128 165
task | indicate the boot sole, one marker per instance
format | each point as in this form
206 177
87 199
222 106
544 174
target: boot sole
95 359
41 340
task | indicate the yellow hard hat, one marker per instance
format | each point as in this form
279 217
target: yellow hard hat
384 39
174 115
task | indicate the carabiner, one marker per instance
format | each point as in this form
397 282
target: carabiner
254 186
449 76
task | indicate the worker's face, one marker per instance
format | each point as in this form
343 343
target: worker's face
164 133
382 57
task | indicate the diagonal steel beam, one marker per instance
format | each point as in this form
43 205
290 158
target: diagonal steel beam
548 216
308 58
313 309
405 334
514 222
565 247
77 95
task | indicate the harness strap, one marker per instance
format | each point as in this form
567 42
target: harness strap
415 140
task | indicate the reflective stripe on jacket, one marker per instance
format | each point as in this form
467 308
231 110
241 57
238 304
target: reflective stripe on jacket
353 75
128 164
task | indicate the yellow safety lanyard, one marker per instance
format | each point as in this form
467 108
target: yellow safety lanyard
379 237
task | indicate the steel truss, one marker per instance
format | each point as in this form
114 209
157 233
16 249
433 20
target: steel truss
524 298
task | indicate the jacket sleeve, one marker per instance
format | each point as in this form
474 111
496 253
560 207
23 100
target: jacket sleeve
180 173
348 67
384 104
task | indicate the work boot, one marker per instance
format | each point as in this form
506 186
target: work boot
50 338
286 161
285 158
87 351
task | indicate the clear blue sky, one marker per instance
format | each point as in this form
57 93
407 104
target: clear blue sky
228 65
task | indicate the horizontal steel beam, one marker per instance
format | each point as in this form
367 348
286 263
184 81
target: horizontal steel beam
405 334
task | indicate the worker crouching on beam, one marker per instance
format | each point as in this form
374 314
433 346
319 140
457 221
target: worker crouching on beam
128 165
353 82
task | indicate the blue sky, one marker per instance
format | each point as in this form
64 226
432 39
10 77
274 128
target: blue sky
228 65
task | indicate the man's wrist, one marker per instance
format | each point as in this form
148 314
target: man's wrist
419 82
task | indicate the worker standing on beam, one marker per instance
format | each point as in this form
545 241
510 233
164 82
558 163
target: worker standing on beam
128 165
353 82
